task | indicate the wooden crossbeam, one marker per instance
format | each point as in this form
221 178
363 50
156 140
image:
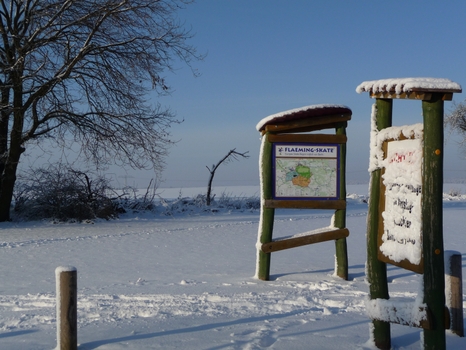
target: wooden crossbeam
412 95
305 204
394 316
305 239
427 323
317 138
318 127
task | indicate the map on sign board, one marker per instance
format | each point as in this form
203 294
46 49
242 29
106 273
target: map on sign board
400 240
306 171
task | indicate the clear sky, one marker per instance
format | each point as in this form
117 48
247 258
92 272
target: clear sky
268 56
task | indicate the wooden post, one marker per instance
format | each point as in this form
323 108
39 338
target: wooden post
454 288
341 250
432 221
67 296
377 270
267 214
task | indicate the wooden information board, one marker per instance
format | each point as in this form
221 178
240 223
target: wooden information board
306 171
400 237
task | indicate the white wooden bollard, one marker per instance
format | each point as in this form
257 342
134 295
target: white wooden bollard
454 290
67 302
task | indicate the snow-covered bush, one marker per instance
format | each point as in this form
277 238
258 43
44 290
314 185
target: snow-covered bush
62 193
130 200
454 192
198 204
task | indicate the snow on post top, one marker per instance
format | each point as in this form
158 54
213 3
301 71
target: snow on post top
61 269
319 110
405 85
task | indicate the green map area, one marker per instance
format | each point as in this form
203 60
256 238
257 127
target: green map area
305 177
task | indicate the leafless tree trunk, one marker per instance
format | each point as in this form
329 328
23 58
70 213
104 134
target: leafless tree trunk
231 155
80 71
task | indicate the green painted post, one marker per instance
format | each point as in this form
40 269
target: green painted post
432 221
377 270
267 214
341 250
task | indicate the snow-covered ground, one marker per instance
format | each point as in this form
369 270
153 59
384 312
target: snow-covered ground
186 281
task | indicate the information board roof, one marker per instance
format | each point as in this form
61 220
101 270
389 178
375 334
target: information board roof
406 85
311 111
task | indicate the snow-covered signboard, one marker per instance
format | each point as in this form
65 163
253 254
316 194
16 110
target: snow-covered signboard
306 171
400 240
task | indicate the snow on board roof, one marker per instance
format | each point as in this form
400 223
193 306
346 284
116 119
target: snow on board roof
318 110
403 85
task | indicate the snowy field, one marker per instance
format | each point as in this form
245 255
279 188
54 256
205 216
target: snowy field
186 281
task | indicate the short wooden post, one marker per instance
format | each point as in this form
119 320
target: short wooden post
376 269
454 291
67 297
432 221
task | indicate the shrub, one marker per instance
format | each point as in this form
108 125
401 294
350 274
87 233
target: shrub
62 193
454 192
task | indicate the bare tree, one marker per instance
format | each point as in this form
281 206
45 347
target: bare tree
457 118
80 71
231 155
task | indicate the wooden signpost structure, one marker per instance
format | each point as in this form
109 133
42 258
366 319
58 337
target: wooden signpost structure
404 222
300 169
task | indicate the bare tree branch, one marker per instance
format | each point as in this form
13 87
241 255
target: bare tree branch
230 156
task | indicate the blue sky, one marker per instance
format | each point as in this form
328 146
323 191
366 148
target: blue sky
267 56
